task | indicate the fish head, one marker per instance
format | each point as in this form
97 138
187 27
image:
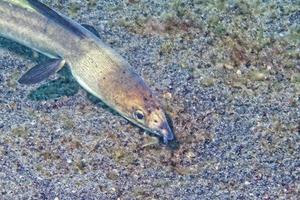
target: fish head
148 114
134 100
127 93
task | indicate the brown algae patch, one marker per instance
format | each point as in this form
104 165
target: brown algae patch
241 33
177 18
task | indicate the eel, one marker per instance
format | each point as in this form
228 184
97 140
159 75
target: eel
94 65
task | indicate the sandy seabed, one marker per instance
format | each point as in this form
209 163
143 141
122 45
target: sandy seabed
227 74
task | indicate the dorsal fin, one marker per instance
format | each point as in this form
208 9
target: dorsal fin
91 29
52 15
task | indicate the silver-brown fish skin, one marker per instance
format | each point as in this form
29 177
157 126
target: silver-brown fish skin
96 67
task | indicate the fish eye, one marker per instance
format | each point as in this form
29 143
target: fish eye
139 115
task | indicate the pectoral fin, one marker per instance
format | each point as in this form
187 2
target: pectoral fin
41 71
91 29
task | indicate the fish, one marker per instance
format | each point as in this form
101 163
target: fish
99 69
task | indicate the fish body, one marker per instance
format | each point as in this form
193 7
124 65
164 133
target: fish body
97 68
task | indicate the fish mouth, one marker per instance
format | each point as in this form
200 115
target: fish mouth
166 133
163 131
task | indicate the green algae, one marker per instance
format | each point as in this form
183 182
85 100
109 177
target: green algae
167 47
65 85
80 166
20 131
12 81
296 78
91 3
74 8
257 75
68 123
208 82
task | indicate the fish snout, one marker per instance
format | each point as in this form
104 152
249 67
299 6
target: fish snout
166 133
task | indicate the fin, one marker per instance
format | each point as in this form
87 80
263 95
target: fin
91 29
54 16
41 71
